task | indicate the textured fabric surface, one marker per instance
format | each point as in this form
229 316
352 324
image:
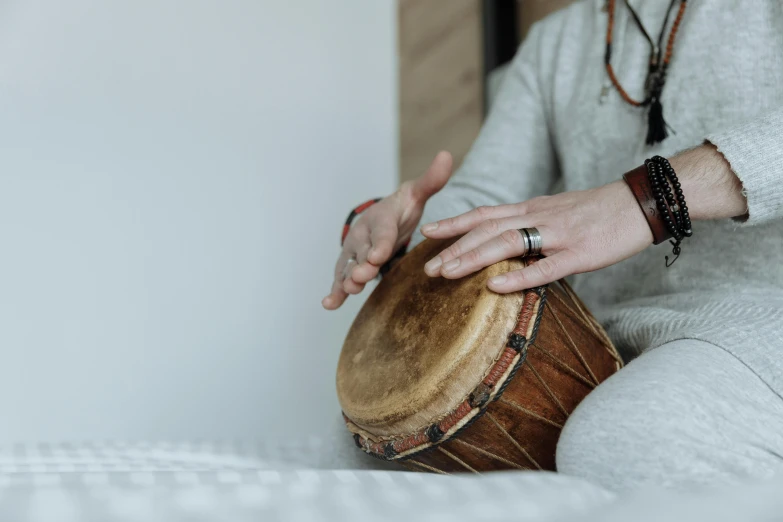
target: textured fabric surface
304 495
685 414
557 124
149 482
202 481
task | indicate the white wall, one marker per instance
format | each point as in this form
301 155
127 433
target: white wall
173 179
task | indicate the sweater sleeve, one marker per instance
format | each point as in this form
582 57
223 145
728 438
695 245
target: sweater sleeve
755 152
513 158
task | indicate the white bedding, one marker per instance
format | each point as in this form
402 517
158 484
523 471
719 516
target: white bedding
237 482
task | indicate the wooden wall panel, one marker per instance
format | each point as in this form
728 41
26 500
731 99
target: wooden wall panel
441 75
441 80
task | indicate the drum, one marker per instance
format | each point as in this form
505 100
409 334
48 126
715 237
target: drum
446 376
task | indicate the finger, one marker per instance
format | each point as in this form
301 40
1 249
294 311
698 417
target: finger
347 272
361 251
506 245
466 222
383 238
364 273
358 238
342 262
357 244
336 297
352 287
435 178
544 271
486 231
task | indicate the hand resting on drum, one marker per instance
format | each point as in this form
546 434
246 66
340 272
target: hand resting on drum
382 230
581 231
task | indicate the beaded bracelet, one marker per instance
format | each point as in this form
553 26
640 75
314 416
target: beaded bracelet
671 204
659 194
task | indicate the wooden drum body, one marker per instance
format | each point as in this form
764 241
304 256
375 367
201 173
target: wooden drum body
447 376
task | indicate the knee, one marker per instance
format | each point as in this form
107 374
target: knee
666 420
622 437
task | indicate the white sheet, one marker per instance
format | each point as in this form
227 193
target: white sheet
236 482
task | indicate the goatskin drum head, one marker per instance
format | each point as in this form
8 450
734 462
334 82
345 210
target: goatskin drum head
421 345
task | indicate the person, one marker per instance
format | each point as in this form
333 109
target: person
592 93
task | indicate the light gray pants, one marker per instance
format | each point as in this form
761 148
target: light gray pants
685 413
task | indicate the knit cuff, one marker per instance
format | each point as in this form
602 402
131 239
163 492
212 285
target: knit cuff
755 152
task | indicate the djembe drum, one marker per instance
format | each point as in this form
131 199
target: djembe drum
446 376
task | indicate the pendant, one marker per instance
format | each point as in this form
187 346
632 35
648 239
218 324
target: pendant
654 82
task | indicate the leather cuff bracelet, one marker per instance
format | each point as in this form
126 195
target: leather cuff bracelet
640 185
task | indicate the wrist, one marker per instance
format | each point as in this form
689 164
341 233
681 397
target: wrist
639 186
630 212
661 183
712 189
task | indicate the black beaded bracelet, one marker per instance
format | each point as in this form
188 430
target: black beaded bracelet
680 206
670 201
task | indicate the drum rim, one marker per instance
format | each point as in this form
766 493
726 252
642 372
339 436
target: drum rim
452 423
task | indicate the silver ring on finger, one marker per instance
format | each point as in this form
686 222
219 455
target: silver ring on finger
348 266
531 237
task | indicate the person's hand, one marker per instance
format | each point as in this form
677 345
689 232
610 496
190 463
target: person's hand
581 231
381 230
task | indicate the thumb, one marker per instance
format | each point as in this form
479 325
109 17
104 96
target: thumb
435 178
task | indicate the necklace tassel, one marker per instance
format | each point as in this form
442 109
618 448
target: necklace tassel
656 125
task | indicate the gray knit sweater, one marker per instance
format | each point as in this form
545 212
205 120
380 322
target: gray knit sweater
551 129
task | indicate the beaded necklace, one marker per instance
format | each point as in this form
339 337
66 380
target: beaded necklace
656 74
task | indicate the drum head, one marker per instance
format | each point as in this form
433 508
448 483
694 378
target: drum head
420 345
